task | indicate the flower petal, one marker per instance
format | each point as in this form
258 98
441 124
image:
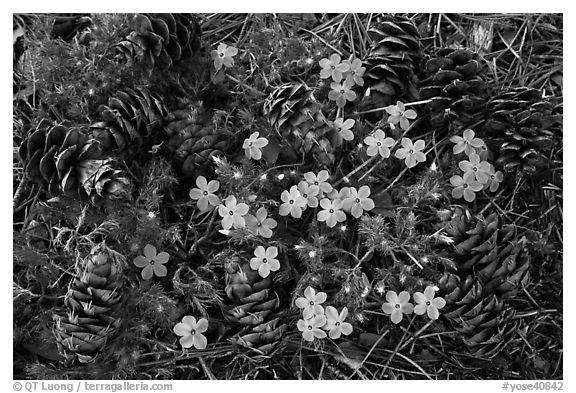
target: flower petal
160 270
331 314
320 297
438 302
388 308
200 341
346 328
419 298
420 309
302 302
141 261
162 257
396 316
196 193
392 297
201 182
187 341
432 312
147 272
403 297
202 325
181 329
149 251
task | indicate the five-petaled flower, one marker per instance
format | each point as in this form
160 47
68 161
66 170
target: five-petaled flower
343 127
319 182
191 332
265 260
335 322
311 303
204 194
475 169
467 144
152 262
309 193
341 92
357 201
311 328
427 303
495 178
223 56
411 152
378 144
399 114
465 187
333 68
261 225
293 204
332 213
233 213
354 75
252 146
398 304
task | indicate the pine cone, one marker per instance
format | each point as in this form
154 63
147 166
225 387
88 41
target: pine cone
518 128
64 160
160 40
491 250
483 321
253 304
193 139
395 54
454 84
298 117
92 302
132 118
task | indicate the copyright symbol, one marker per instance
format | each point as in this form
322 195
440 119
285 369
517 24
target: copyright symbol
17 386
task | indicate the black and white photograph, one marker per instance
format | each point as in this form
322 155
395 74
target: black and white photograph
287 196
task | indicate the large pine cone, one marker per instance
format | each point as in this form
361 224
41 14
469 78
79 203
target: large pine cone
518 128
160 40
454 84
483 321
298 118
64 160
491 250
254 302
92 302
394 55
194 139
132 118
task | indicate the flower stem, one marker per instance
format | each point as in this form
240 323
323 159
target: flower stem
354 171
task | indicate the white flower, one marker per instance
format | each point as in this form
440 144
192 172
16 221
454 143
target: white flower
232 213
427 303
311 303
378 144
253 144
335 323
309 193
358 201
319 181
265 261
311 328
191 332
204 194
293 204
332 213
397 305
261 225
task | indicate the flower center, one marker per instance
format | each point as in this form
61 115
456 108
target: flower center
411 151
397 305
264 260
331 210
305 195
249 143
475 169
378 143
492 177
332 67
231 212
316 183
341 91
428 303
193 332
337 324
291 201
465 185
311 303
151 262
205 193
259 224
221 54
357 200
309 327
